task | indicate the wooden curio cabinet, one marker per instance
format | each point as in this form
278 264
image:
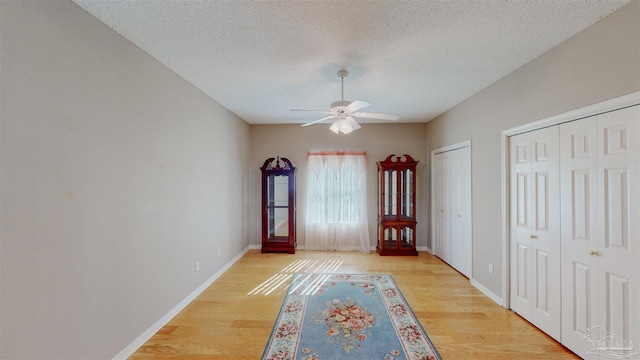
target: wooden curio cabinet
397 206
278 206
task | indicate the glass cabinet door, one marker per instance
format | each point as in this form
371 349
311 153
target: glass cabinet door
389 237
406 237
391 194
278 207
407 194
397 238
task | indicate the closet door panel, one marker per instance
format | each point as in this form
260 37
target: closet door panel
616 208
580 183
460 211
463 211
545 234
456 209
617 316
521 227
581 303
542 284
535 230
618 253
442 226
578 158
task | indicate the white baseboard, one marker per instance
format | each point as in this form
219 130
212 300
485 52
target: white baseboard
145 336
487 292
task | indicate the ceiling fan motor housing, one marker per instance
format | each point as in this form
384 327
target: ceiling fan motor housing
338 106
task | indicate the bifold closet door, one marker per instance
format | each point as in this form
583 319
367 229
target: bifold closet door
452 208
600 233
535 229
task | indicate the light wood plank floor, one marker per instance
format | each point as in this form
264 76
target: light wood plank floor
234 317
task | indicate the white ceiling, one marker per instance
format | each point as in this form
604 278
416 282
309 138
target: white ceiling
416 59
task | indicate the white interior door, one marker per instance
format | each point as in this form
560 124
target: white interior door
535 229
600 237
452 207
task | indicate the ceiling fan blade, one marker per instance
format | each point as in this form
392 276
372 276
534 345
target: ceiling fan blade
356 105
377 116
317 121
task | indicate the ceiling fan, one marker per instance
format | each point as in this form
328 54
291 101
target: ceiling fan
346 111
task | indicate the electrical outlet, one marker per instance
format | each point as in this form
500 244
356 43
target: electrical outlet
219 252
490 268
197 266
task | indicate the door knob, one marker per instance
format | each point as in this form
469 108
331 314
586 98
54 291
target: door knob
458 215
592 252
533 237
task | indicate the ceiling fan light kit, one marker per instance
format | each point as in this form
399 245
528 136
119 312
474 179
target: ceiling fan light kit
345 111
344 125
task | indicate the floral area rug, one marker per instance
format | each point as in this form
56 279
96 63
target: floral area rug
345 316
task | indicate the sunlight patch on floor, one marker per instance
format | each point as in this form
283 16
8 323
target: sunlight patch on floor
271 284
311 286
280 281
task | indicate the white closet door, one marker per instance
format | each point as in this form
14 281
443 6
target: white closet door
601 239
452 208
535 230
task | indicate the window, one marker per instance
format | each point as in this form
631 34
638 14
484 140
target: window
336 202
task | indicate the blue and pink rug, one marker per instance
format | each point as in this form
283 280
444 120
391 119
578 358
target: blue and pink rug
345 316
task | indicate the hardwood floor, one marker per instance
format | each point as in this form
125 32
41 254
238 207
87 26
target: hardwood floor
234 317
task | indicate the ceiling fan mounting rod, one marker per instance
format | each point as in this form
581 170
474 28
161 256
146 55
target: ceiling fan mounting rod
342 74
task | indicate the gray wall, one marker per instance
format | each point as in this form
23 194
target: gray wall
294 142
600 63
116 177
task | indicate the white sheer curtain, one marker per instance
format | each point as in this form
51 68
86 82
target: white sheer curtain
337 202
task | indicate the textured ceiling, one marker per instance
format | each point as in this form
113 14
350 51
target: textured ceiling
416 59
